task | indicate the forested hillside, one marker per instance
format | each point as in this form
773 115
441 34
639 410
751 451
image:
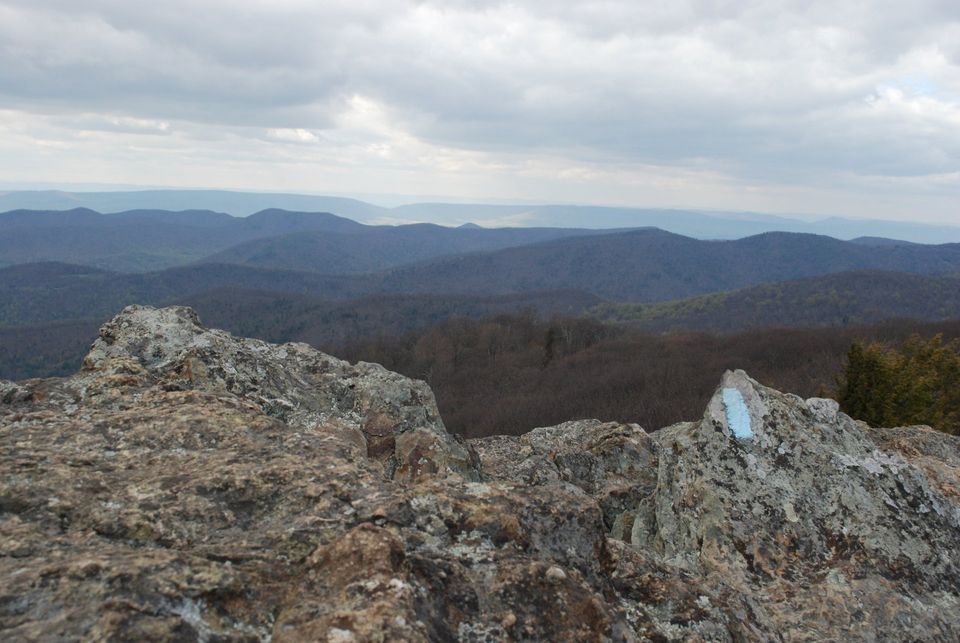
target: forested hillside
641 266
510 374
53 348
378 248
653 265
836 299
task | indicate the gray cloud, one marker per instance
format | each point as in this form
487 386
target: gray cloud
787 96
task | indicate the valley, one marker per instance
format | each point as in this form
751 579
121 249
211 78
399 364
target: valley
512 327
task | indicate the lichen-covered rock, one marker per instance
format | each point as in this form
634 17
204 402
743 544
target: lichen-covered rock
613 463
11 392
291 382
189 485
842 536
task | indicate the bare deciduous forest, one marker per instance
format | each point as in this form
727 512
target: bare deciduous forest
508 374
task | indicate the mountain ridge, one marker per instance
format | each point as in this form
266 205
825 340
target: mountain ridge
704 223
652 265
642 266
147 240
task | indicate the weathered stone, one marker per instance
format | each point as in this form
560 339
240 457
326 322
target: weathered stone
291 382
189 485
614 463
355 588
13 393
809 507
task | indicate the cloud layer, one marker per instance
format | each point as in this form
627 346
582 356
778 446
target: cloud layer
845 107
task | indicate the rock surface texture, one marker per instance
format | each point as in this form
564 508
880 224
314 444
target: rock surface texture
189 485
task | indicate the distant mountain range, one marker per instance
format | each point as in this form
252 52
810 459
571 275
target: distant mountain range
238 204
328 280
703 224
640 266
653 265
381 247
145 240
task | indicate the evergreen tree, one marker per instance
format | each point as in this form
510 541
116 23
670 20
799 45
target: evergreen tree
866 385
917 383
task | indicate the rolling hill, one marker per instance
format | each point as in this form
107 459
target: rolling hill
144 240
147 240
642 266
43 292
831 300
652 265
379 248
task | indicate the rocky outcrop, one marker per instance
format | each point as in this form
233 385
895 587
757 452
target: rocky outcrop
189 485
393 418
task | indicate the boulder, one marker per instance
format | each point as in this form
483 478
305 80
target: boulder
292 382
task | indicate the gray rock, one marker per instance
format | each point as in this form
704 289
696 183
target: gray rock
13 393
614 463
293 382
190 485
809 507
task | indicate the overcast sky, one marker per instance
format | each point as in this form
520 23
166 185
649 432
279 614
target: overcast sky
838 107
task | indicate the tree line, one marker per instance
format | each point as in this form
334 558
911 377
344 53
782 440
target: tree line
511 373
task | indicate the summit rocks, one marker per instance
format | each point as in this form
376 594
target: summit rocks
190 485
393 418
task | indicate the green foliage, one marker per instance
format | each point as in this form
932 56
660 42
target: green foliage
915 383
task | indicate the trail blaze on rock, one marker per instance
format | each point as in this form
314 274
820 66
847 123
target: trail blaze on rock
738 416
